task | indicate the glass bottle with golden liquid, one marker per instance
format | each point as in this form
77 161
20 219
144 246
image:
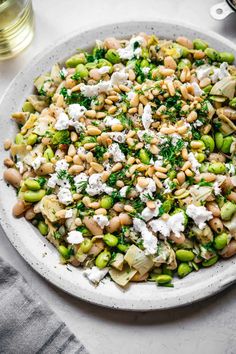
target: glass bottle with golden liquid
16 26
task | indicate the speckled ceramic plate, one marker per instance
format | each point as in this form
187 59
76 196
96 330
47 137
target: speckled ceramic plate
41 255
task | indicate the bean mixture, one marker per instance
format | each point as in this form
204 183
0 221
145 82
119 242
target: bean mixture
125 159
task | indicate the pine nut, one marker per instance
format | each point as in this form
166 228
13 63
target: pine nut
112 110
184 154
170 63
97 167
73 136
120 184
143 100
109 102
161 175
180 191
135 101
140 109
189 173
8 162
75 169
161 169
192 116
71 151
181 177
205 82
151 204
157 181
131 75
142 182
93 131
105 175
68 158
186 165
118 166
167 130
7 144
90 113
154 149
129 208
117 128
77 160
94 205
182 130
89 146
100 115
124 88
101 211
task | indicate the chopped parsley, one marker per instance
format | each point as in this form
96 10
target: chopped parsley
171 152
76 97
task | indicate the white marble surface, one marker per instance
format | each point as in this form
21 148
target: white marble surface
206 327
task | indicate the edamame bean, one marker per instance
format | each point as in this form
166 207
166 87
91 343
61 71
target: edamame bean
32 184
32 138
200 157
48 154
28 107
183 51
102 259
227 211
221 241
227 144
210 262
19 139
232 103
34 196
219 139
212 54
112 56
184 269
199 44
144 156
183 63
209 142
217 168
65 253
103 62
122 247
110 240
82 71
43 228
226 56
163 279
76 59
86 245
106 202
184 255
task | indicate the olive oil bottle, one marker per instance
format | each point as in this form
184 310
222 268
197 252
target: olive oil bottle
16 26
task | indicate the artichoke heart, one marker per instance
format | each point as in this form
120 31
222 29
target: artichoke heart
49 205
123 277
227 127
224 87
137 259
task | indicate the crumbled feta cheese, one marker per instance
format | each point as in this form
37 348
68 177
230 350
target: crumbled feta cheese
146 70
194 162
61 165
63 72
168 185
147 191
107 189
110 121
147 116
118 137
174 224
158 163
197 123
203 71
149 240
147 213
101 220
196 89
76 111
104 70
216 188
199 214
116 152
65 196
95 185
220 73
52 181
81 150
20 166
231 168
129 52
95 275
78 181
131 95
118 78
62 122
68 213
145 133
37 162
75 237
123 191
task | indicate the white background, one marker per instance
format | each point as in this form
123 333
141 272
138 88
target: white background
206 327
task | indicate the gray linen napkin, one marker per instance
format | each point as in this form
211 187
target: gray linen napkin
27 325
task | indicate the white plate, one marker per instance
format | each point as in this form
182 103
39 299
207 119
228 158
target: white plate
41 255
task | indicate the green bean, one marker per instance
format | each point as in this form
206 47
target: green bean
48 154
227 211
110 240
183 63
43 228
210 262
227 142
163 279
221 241
106 202
199 44
86 245
112 56
76 59
232 103
32 184
102 259
144 156
184 255
217 168
32 139
212 54
82 71
226 56
184 269
65 252
209 142
19 139
34 196
28 107
219 139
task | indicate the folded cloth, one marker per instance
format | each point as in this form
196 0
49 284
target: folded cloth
27 324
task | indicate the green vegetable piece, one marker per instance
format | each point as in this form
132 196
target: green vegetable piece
209 142
207 89
76 59
28 107
217 168
110 240
199 44
107 202
144 156
221 241
200 157
183 51
212 54
32 139
184 269
226 56
183 63
34 196
19 139
123 247
184 255
167 205
219 138
82 71
227 211
61 137
102 259
43 228
163 279
86 245
32 184
227 142
112 56
166 271
103 62
144 63
179 210
210 262
64 252
204 167
48 154
232 103
172 174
